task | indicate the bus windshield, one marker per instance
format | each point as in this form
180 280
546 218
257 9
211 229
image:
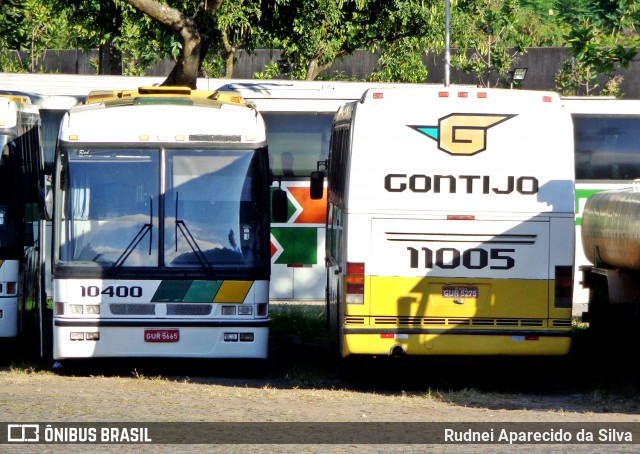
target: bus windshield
297 141
119 211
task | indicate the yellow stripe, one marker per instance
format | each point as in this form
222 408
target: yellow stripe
423 296
434 344
233 292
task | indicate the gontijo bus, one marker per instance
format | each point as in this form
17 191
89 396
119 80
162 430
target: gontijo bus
21 176
450 223
161 219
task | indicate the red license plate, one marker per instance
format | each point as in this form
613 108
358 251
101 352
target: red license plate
459 291
161 335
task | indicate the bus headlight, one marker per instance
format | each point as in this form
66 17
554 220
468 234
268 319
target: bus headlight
75 308
93 309
228 310
245 310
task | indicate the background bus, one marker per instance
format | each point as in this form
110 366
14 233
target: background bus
161 227
21 173
607 149
450 229
298 117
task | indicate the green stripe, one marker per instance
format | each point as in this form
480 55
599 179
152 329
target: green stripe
171 291
202 291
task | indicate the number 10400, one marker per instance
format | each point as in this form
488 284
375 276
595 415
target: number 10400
120 291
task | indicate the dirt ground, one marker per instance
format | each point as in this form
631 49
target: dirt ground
307 383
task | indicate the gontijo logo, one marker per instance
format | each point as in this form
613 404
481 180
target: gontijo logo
462 134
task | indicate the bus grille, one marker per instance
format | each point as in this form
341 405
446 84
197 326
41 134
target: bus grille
189 309
132 309
354 320
561 323
457 321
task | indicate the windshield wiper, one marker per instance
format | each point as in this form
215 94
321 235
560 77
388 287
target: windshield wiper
191 241
146 228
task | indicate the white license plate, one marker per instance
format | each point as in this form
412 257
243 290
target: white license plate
161 335
459 291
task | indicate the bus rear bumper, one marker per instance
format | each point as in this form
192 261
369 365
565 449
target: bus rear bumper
91 341
424 344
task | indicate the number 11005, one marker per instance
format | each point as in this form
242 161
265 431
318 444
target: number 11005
450 258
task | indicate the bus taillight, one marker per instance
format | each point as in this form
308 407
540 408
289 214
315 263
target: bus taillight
563 286
355 283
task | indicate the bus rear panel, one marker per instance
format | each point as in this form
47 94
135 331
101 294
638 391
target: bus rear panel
450 231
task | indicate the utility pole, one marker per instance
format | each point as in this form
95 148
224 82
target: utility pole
447 50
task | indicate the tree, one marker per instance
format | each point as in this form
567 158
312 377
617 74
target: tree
236 27
490 34
94 24
314 33
600 44
187 27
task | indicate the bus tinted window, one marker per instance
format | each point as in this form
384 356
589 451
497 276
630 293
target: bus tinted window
297 141
607 147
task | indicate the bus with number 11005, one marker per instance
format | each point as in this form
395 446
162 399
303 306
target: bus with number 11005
450 224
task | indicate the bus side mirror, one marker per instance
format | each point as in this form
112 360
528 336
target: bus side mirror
279 206
316 187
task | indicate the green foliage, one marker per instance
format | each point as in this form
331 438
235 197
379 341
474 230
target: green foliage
271 71
401 61
490 34
592 57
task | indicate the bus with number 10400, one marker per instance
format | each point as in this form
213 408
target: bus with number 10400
161 227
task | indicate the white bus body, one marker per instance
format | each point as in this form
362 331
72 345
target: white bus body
607 153
161 237
20 173
450 225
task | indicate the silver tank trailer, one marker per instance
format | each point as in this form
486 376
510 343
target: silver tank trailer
611 226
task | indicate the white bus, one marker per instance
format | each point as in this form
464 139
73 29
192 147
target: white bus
21 175
450 226
161 227
607 153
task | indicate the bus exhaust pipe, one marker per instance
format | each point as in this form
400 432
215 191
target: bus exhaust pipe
397 352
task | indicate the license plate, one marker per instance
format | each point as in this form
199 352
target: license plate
161 335
459 291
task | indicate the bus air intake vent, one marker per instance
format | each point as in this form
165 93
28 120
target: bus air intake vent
483 322
189 309
214 138
459 321
354 320
561 323
507 322
132 309
532 322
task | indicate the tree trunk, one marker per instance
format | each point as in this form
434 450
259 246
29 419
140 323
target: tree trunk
185 72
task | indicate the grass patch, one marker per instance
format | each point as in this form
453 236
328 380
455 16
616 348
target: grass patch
298 324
